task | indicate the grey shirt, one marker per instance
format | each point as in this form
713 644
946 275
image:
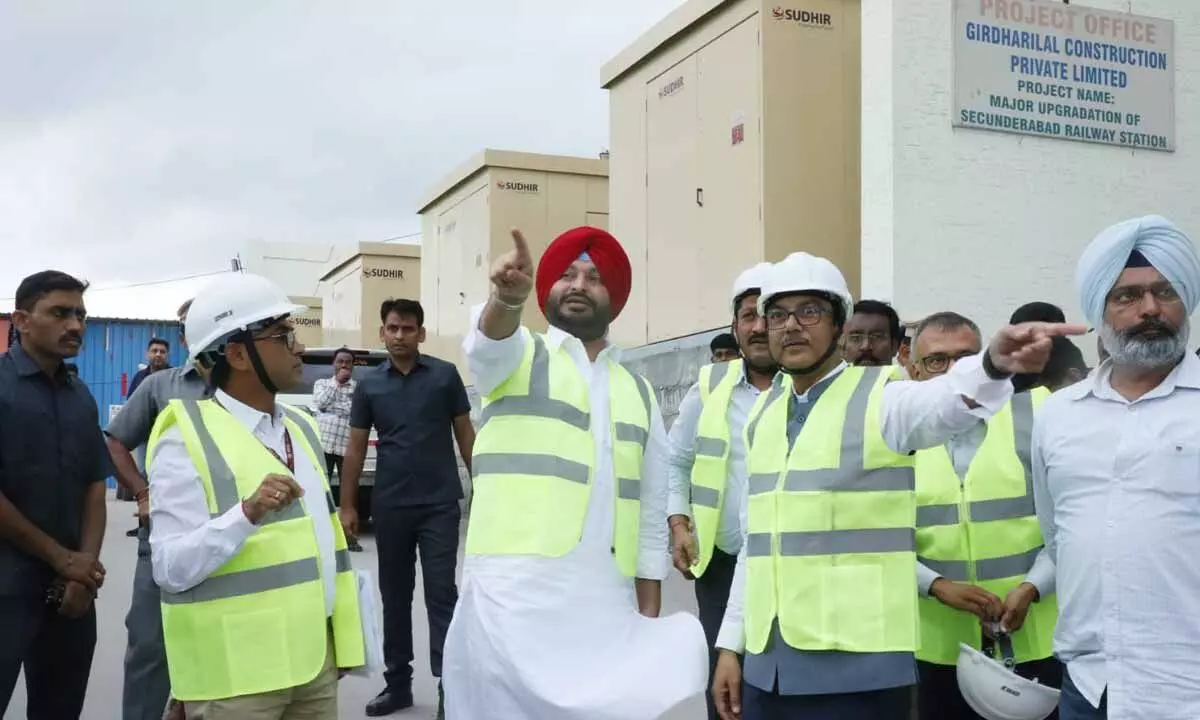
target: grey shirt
822 672
132 425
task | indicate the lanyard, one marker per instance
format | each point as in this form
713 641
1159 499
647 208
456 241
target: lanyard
290 462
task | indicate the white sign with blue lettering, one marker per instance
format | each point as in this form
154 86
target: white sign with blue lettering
1063 71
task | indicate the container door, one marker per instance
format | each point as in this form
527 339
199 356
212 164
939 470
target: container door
730 227
673 200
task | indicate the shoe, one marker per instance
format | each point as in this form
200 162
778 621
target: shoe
388 702
132 533
354 546
441 711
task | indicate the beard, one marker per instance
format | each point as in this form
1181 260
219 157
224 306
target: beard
586 326
1149 345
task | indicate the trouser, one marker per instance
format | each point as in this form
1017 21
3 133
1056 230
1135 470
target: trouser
399 533
712 593
314 700
147 682
940 698
1072 705
890 704
333 463
55 651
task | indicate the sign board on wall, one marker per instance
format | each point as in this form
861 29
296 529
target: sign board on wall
1045 68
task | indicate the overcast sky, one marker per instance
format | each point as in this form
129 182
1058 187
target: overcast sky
143 141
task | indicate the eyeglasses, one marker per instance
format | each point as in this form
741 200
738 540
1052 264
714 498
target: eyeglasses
940 362
1129 295
863 338
806 316
287 338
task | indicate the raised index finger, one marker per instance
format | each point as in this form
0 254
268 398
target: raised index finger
1055 329
519 242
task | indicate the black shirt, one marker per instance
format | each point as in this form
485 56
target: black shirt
51 451
413 415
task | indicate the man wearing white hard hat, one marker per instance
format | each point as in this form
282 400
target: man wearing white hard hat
708 460
827 575
823 604
259 601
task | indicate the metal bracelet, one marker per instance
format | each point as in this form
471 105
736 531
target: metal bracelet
507 306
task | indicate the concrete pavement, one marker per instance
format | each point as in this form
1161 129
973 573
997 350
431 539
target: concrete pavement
119 557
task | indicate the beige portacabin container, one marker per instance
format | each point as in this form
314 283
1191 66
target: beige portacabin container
308 325
353 290
735 129
465 222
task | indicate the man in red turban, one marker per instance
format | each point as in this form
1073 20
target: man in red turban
583 282
567 541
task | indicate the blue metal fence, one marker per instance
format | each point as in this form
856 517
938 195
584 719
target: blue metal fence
113 349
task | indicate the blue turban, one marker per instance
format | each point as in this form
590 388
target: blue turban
1158 242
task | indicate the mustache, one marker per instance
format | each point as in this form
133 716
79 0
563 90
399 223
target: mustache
756 338
73 336
1150 325
579 296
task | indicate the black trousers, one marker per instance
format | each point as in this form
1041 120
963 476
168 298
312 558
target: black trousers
399 534
56 653
939 698
333 462
712 594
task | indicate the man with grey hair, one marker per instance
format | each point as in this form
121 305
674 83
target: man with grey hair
147 684
982 576
1116 473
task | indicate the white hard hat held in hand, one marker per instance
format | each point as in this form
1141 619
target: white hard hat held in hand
997 693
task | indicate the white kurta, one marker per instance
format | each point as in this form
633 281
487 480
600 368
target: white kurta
539 638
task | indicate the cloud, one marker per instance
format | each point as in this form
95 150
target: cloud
142 140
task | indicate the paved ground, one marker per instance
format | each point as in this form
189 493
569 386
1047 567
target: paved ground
119 556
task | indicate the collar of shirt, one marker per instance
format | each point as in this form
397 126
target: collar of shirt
253 419
388 367
556 338
26 367
1098 384
803 397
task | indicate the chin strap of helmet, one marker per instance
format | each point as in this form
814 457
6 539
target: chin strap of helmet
810 369
247 339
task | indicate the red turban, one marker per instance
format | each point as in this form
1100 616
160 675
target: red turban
605 252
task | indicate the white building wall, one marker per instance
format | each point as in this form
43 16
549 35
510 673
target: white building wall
295 267
981 222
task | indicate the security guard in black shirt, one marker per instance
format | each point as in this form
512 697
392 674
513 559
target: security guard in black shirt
53 464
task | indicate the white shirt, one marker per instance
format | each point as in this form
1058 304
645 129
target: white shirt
1117 487
186 545
683 455
921 415
560 638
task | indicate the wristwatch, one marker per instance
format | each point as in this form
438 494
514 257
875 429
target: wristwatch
990 369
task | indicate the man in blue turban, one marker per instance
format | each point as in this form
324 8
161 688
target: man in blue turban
1115 466
1150 255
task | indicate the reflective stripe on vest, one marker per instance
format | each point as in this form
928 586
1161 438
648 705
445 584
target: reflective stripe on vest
992 542
831 521
532 436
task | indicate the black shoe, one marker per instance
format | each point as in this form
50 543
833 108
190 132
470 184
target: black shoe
132 533
354 546
389 701
441 711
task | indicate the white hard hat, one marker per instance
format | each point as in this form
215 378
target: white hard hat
230 304
751 280
801 272
997 693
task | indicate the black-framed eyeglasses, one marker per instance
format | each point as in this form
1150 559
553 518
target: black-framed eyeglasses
806 316
286 337
941 362
1129 295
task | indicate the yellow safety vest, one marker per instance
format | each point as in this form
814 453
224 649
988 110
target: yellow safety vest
533 458
831 547
711 464
982 530
258 623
